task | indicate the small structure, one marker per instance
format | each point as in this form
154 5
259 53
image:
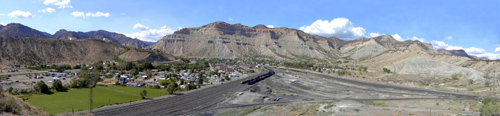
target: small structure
55 79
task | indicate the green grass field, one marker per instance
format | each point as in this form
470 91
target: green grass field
61 102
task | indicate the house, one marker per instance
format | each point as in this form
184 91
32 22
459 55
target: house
131 84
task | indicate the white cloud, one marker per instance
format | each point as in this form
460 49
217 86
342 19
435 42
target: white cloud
448 38
83 15
97 14
479 52
49 10
374 34
145 19
151 35
230 19
270 26
397 37
60 3
20 14
140 27
338 27
1 23
78 14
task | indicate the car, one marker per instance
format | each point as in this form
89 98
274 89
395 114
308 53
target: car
277 99
33 82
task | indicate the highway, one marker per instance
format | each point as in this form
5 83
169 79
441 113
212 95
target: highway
23 73
182 104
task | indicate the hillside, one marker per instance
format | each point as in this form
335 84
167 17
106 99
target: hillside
120 39
223 40
19 30
143 56
34 51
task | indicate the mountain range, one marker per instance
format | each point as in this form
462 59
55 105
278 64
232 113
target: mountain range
19 30
223 40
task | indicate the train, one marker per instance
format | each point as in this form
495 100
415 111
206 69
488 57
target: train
258 78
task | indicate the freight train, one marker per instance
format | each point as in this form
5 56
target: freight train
258 78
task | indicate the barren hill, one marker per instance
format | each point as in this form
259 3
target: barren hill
223 40
143 56
19 30
34 51
120 39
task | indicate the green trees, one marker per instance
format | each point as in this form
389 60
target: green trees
200 78
144 94
171 88
226 77
40 86
147 65
251 71
489 107
58 86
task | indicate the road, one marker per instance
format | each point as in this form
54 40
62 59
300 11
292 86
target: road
182 104
23 73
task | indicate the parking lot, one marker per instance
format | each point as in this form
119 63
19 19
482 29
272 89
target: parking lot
23 81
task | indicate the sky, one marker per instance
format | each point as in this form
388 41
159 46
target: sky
473 26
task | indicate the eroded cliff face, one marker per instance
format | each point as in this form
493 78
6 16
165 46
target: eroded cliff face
222 40
143 56
34 51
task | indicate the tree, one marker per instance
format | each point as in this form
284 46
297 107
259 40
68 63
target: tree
226 78
150 75
144 94
134 72
251 71
489 107
171 88
487 84
471 81
58 86
40 86
147 65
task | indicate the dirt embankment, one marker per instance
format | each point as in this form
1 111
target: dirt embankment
35 51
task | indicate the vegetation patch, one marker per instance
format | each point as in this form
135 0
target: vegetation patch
374 103
78 99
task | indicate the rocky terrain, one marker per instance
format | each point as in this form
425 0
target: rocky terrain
35 51
143 56
223 40
19 30
120 39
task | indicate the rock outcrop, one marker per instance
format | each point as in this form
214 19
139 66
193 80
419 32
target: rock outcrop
223 40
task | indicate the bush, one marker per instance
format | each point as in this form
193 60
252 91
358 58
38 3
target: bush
489 107
454 76
487 84
386 70
57 85
9 89
251 71
9 105
471 81
40 86
144 94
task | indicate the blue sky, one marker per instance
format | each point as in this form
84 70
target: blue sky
450 24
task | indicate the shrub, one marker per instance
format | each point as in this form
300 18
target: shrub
487 84
454 76
144 94
9 89
386 70
471 81
489 107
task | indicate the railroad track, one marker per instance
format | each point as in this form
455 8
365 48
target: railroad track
182 104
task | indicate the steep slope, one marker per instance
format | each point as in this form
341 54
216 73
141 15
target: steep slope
19 30
419 62
120 39
223 40
143 56
33 51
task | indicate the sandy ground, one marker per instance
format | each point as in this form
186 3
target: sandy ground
320 96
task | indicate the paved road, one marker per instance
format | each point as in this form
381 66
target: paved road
23 73
182 104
